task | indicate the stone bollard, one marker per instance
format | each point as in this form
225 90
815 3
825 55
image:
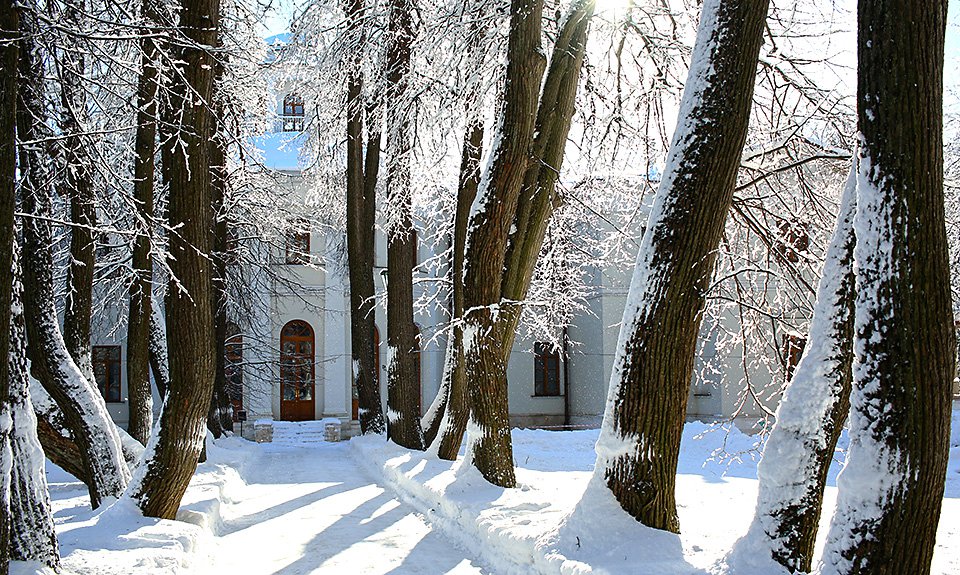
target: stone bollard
331 429
263 431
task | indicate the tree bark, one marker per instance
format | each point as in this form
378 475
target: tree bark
403 384
361 209
640 436
78 185
83 407
220 417
32 536
9 32
796 458
490 447
189 316
158 349
141 290
891 490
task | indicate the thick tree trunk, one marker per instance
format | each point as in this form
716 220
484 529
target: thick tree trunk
220 417
32 536
361 207
141 290
403 384
9 32
646 405
83 407
447 418
79 187
800 448
177 444
490 447
891 490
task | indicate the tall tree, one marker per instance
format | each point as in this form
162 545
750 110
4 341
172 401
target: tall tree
362 168
84 410
403 373
490 447
891 490
646 404
9 32
141 290
797 455
163 479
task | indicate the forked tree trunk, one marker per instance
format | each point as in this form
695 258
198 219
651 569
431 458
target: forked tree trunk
489 443
403 384
83 407
446 421
9 32
163 479
361 206
32 536
141 290
79 187
796 458
646 405
891 490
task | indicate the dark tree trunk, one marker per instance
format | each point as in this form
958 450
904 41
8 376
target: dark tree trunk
32 536
188 307
78 185
141 290
448 416
490 447
798 453
83 407
9 31
646 407
403 384
891 491
220 418
361 208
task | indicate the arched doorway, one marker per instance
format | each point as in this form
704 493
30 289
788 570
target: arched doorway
297 372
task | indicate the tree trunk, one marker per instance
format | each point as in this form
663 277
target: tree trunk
83 407
403 384
79 187
361 208
158 349
490 447
141 290
9 32
220 417
797 456
891 490
32 536
177 444
646 406
447 418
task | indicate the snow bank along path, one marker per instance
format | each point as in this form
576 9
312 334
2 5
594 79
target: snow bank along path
259 509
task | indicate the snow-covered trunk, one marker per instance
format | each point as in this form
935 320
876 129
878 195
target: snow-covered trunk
403 358
793 471
159 366
78 186
891 489
32 536
361 206
138 322
83 407
539 197
489 445
172 456
9 32
646 404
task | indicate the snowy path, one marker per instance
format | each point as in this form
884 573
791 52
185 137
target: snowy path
313 510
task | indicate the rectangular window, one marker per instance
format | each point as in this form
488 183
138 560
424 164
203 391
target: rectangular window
293 114
297 247
106 370
546 370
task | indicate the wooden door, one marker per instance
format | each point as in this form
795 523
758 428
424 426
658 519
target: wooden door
297 388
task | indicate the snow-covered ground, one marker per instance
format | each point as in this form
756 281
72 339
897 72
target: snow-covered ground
367 506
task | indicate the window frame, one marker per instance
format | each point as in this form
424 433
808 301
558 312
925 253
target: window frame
292 113
297 248
118 361
547 362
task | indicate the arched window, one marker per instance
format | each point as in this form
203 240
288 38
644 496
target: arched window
292 113
546 370
296 371
233 367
